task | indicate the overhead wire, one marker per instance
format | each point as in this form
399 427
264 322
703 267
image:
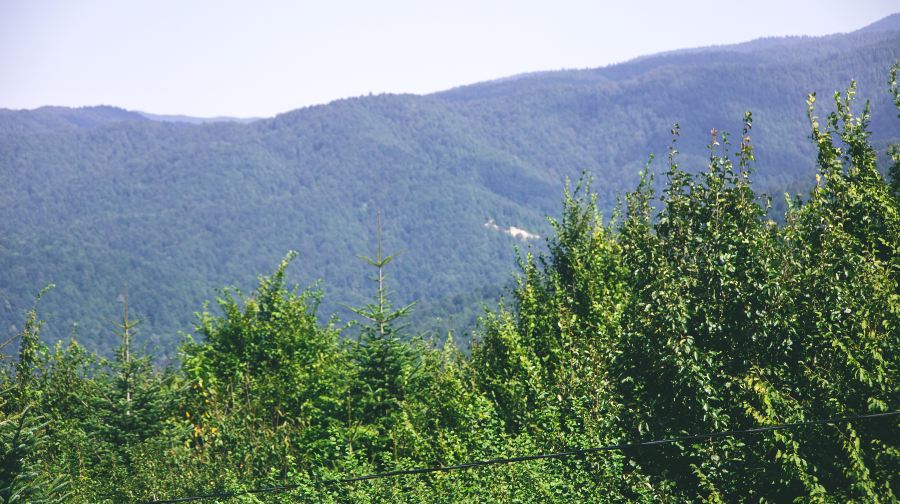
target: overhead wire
525 458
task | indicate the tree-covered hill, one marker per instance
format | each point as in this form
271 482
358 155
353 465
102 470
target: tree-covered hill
98 199
692 350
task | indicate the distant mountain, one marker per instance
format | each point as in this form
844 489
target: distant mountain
99 198
62 119
888 24
197 120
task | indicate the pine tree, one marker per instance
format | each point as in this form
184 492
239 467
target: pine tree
22 429
383 361
133 404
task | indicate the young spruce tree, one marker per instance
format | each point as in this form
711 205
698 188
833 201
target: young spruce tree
383 362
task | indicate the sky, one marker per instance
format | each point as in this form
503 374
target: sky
258 58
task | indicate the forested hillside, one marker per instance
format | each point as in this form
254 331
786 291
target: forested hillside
751 359
101 200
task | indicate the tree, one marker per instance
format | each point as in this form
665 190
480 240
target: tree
383 364
265 386
894 150
22 429
134 399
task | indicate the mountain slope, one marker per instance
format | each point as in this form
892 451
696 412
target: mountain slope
97 199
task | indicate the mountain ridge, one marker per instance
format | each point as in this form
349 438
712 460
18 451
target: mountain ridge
890 23
175 210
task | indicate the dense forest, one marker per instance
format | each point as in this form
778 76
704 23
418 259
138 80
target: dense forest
689 311
100 199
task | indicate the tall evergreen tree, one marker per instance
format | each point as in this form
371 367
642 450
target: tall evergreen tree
383 361
135 399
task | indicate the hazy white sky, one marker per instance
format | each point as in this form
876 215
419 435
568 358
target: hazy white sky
259 58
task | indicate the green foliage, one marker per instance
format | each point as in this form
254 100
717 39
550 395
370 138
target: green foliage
265 370
689 312
23 436
21 479
708 316
384 365
894 149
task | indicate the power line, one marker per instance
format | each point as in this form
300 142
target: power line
525 458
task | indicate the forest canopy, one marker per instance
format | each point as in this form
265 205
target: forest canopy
691 311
